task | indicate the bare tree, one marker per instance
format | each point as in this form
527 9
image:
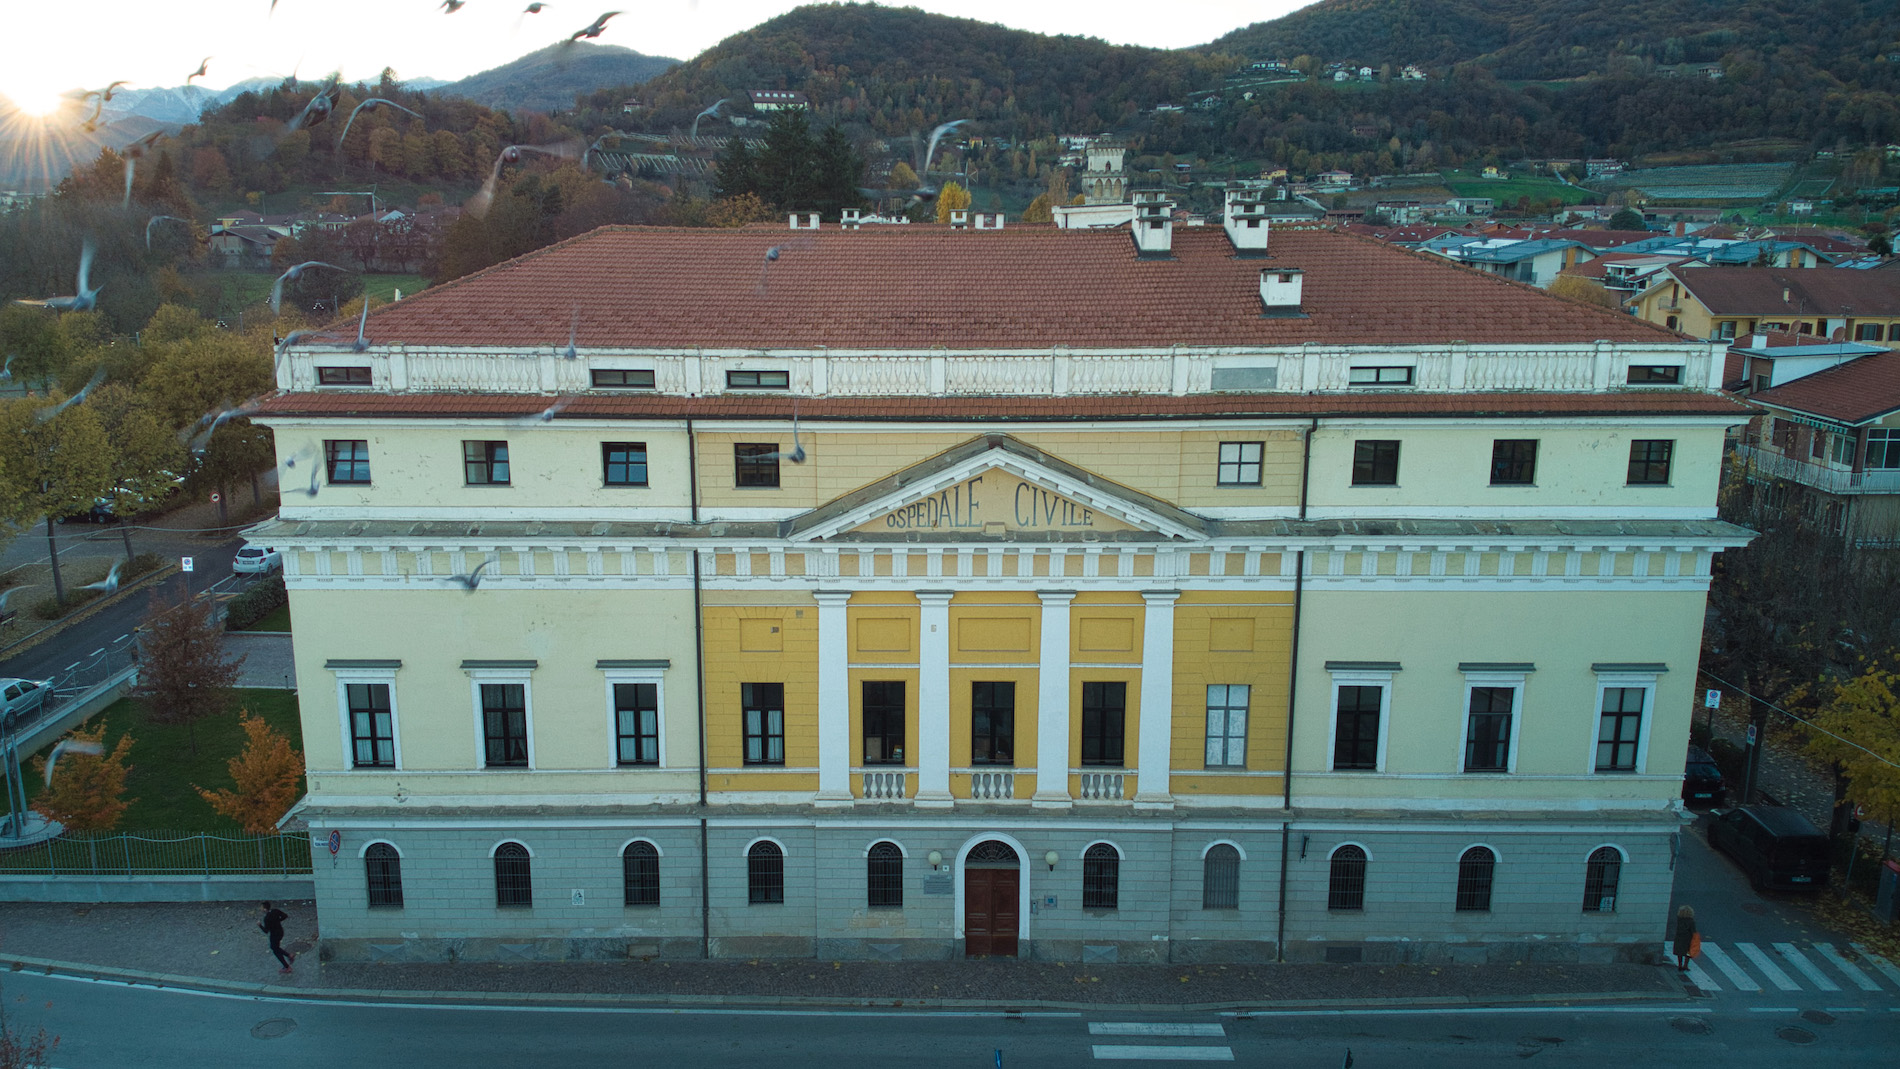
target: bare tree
183 676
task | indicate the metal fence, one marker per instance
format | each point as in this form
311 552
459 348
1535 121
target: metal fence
158 853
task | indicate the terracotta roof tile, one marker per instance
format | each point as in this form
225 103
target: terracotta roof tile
1812 291
1854 392
1018 288
1661 403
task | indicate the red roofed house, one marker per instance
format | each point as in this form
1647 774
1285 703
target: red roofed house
1733 302
658 597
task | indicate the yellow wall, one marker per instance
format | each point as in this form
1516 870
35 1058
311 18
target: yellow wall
743 647
1222 638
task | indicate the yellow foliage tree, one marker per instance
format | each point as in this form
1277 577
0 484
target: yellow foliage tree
902 177
737 211
266 772
1038 210
1865 715
951 197
1582 289
87 792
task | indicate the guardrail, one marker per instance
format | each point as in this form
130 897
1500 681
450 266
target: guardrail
159 853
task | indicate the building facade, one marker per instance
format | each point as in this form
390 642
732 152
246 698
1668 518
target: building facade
1243 597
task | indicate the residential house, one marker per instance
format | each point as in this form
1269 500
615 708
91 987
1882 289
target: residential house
1412 74
1470 205
931 633
777 99
1400 212
1536 261
1333 178
1733 302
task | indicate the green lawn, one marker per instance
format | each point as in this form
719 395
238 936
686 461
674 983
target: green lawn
248 289
278 620
164 770
1508 190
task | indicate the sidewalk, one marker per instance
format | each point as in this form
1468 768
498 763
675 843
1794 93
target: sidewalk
218 947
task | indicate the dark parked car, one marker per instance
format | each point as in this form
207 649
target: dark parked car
1774 845
1702 783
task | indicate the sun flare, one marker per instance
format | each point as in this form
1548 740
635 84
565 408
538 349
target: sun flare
33 100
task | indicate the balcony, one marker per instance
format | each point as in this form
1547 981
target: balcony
1770 464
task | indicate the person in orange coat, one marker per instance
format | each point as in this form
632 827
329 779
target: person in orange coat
1685 937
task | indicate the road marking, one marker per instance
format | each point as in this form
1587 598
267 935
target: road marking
1468 1011
1735 973
1139 1028
1847 968
1880 964
1774 1009
1768 968
1694 973
1808 969
1111 1052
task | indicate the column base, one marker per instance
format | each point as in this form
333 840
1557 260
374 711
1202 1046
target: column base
1051 801
933 800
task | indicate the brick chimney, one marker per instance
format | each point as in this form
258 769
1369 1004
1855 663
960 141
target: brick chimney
1154 225
1245 221
1280 293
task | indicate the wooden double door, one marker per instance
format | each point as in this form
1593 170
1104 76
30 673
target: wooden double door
991 911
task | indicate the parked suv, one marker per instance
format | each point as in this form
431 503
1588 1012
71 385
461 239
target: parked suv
1774 845
1702 783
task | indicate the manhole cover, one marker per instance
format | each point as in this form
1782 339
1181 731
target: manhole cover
1797 1036
1817 1016
1694 1026
1759 909
279 1027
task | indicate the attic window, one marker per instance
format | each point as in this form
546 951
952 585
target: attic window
343 376
1655 374
607 378
1380 376
758 380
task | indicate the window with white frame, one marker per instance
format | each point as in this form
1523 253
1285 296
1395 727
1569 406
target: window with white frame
1227 725
504 713
1626 696
636 721
366 700
1883 448
1494 696
1362 696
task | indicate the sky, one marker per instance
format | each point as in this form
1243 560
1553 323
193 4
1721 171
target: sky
158 42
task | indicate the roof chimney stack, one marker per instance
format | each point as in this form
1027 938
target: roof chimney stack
1280 293
804 220
1245 221
959 218
1154 225
989 220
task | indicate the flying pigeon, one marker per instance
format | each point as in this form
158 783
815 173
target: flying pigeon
66 746
478 204
797 455
87 296
277 288
110 583
472 579
709 113
203 66
318 109
154 221
372 102
595 29
98 376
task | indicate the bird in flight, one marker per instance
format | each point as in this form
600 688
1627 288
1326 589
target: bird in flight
362 328
209 423
277 288
154 221
709 113
318 109
66 746
88 295
772 256
203 66
479 204
594 29
110 584
133 154
925 193
372 102
797 454
533 9
98 376
450 7
474 578
547 414
573 331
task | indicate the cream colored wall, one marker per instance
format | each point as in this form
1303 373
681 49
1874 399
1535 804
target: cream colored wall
1577 467
433 631
1431 632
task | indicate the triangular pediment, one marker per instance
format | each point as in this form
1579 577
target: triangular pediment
994 487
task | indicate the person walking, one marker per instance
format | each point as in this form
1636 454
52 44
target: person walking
273 926
1687 939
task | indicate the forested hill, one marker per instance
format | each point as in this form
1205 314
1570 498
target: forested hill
548 80
1552 39
899 69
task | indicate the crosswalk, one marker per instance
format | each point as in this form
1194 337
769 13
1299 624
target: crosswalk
1787 967
1159 1042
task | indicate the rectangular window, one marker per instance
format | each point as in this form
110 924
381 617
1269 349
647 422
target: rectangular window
505 724
764 707
1375 463
1488 734
1240 463
755 464
343 376
1817 444
612 378
637 723
883 722
1227 725
1104 715
1619 730
624 463
372 728
1513 461
1379 376
1725 329
485 463
758 380
992 723
346 462
1883 448
1649 461
1867 332
1782 432
1655 374
1356 730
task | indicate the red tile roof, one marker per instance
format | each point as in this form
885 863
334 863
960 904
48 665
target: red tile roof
1661 403
1812 292
1018 288
1855 392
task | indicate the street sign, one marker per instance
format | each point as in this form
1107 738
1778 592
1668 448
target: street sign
336 841
1751 734
1860 812
184 564
579 896
215 497
1712 699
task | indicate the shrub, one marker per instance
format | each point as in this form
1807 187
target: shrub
260 600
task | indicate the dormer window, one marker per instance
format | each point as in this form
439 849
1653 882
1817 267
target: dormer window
1380 376
609 378
343 376
758 380
1655 375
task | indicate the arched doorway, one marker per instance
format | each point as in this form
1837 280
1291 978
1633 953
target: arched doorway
992 874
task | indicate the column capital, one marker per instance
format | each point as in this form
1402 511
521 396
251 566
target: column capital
1056 597
1160 597
937 596
831 597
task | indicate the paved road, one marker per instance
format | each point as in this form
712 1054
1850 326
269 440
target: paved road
104 1025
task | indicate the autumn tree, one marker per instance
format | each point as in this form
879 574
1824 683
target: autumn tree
1582 289
738 211
952 197
88 790
267 773
1038 210
50 467
1864 719
183 676
25 1050
1626 219
145 455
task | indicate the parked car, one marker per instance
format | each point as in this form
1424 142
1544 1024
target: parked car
1702 783
1776 846
256 560
23 697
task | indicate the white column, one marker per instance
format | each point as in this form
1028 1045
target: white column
1157 699
1052 702
834 699
933 699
